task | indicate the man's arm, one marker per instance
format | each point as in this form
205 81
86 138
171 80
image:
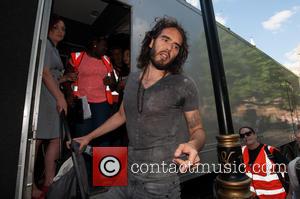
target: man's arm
196 142
197 134
112 123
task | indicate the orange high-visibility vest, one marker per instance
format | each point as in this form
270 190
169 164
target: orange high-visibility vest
76 57
265 182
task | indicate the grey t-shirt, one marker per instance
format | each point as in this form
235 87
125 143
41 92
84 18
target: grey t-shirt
155 132
294 183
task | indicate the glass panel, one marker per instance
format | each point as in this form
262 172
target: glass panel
258 89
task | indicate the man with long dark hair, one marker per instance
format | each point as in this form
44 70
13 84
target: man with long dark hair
160 107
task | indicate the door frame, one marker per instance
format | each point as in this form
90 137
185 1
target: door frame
26 159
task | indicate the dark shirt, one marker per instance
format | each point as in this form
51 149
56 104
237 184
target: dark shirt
254 153
291 150
122 71
278 157
155 132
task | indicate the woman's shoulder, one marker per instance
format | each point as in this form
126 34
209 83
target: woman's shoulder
50 45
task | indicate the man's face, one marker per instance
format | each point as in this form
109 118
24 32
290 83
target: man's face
165 48
101 47
247 136
117 56
126 57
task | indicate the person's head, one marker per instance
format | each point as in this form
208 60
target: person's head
56 30
97 47
117 56
165 47
126 57
248 135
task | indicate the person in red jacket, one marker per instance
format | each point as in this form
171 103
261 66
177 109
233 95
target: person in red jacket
95 84
260 161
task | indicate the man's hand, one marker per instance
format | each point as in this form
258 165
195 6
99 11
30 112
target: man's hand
111 82
83 141
107 80
191 152
191 148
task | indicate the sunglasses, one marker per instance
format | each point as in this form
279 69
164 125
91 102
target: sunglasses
246 134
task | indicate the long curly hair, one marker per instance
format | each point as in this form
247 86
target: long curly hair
162 23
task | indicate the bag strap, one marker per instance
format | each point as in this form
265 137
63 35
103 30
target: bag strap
272 157
75 150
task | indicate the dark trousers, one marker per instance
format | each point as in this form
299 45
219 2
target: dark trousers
100 113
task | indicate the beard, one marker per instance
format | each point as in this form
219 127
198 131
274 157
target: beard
159 64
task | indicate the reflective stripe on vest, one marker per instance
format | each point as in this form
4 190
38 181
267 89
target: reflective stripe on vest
267 178
112 97
76 60
266 192
264 180
77 57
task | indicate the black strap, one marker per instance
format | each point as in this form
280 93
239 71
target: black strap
282 180
75 149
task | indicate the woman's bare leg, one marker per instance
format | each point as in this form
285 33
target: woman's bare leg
51 156
36 193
